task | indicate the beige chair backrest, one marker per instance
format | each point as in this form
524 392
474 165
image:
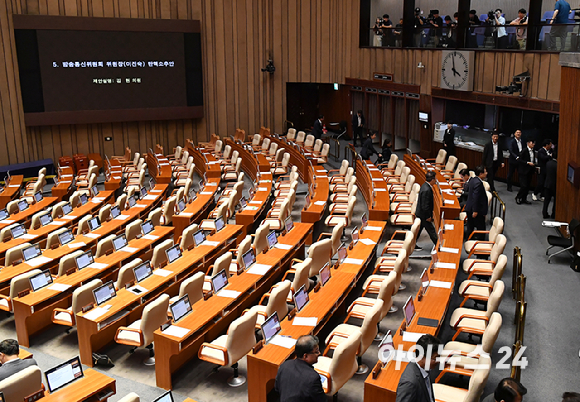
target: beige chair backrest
136 158
460 167
227 152
35 220
498 247
414 192
451 162
320 253
285 210
52 237
392 161
235 156
256 140
349 174
21 282
57 209
155 216
491 332
15 253
74 199
139 164
273 149
218 146
22 384
159 256
277 300
499 269
104 246
168 209
83 225
309 142
495 298
122 201
487 188
131 397
335 237
232 202
133 229
177 154
188 184
279 154
187 236
386 292
92 180
222 210
496 228
193 287
317 145
222 263
180 194
478 379
399 267
399 167
261 240
67 262
441 156
291 134
154 315
241 337
83 295
301 275
369 328
350 208
300 137
244 246
404 174
343 167
12 207
105 213
265 144
126 274
344 363
325 151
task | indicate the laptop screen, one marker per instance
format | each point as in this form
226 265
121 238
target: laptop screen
45 219
38 196
341 253
219 224
84 260
143 271
364 221
409 310
22 205
17 231
199 237
65 237
115 211
386 347
219 281
191 196
325 274
143 192
434 256
354 235
249 258
66 208
40 280
173 253
301 298
95 191
63 374
55 180
119 242
84 199
147 227
104 292
166 397
3 214
425 280
180 308
181 205
272 239
289 224
243 202
131 202
271 327
151 183
31 252
94 223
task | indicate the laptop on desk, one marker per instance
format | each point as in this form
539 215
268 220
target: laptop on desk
65 237
119 242
66 209
22 205
198 237
301 298
142 271
45 219
147 227
173 253
31 252
104 293
64 374
249 258
219 281
271 327
94 223
180 308
38 196
324 274
40 280
272 239
84 260
17 231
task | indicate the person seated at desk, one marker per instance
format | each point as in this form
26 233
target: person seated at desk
386 152
508 390
11 363
415 384
368 149
297 381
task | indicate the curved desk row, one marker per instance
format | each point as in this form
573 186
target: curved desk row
11 190
434 305
204 162
159 168
25 216
372 185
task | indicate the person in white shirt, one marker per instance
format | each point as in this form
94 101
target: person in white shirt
502 38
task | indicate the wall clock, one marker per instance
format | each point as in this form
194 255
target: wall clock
457 70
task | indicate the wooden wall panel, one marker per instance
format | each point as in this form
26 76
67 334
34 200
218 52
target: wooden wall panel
309 40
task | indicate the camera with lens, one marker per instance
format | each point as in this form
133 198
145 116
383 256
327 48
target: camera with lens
417 12
491 15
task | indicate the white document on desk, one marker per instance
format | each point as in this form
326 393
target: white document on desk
95 313
76 245
250 208
93 235
27 236
211 184
449 201
150 237
68 217
368 242
411 336
149 197
57 223
122 217
283 341
174 330
305 321
140 206
154 191
231 294
374 228
98 265
255 202
206 193
447 265
128 249
440 284
355 261
210 243
449 227
259 269
14 185
263 189
162 272
449 250
319 202
35 262
186 214
380 189
378 179
282 246
59 287
8 221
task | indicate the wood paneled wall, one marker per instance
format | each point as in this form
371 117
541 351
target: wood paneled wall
309 41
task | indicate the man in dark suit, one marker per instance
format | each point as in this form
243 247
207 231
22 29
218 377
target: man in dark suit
515 147
415 384
424 210
492 158
317 129
358 124
368 149
476 206
464 173
11 363
544 155
449 140
550 188
527 166
297 381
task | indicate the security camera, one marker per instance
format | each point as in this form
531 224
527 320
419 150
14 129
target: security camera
269 67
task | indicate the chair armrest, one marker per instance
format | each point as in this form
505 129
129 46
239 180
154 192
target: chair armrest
324 235
402 214
475 251
481 272
454 370
469 316
478 232
466 330
397 233
131 343
293 260
8 301
328 379
224 362
264 296
477 284
65 311
287 274
480 262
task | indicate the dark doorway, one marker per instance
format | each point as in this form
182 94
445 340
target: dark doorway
301 105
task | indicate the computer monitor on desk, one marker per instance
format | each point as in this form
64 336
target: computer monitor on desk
119 242
219 281
147 227
94 223
40 280
83 199
409 310
219 223
301 298
198 237
271 327
67 208
3 214
173 253
31 252
180 308
115 211
288 224
65 237
22 205
84 260
249 258
45 219
325 274
38 196
272 239
142 271
64 374
424 281
17 231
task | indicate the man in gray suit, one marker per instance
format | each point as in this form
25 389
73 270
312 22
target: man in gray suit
11 363
415 384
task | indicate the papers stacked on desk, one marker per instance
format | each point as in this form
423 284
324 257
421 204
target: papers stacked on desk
59 287
231 294
284 341
174 330
305 321
411 336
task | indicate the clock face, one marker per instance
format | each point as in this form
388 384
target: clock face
455 71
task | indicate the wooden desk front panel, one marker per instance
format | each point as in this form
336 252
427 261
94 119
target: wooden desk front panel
313 213
159 168
373 187
12 190
65 178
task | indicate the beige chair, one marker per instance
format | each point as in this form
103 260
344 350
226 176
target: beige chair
265 145
339 180
402 202
186 240
447 393
404 218
388 173
12 207
480 291
368 331
391 163
228 349
317 146
322 157
260 243
343 198
472 321
133 230
168 210
22 384
231 172
256 140
394 181
140 332
231 187
243 247
309 142
341 171
155 216
299 273
82 296
35 220
450 165
345 218
83 225
271 154
57 209
52 238
281 168
276 218
18 284
276 304
439 160
105 246
159 256
480 246
223 262
401 191
361 306
320 253
192 287
300 137
335 236
74 199
470 264
131 397
137 180
126 274
342 366
105 213
122 202
14 254
291 135
181 177
68 262
373 283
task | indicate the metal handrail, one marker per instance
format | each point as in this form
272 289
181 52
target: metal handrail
497 207
516 271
